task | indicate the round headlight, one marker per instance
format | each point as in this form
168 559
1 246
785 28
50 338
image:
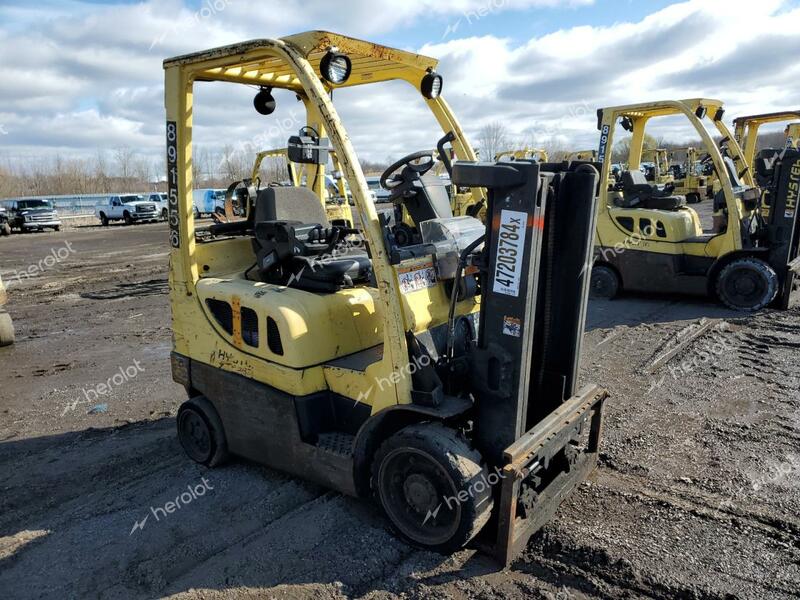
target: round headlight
335 67
431 86
264 103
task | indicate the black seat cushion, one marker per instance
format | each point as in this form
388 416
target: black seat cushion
329 274
286 212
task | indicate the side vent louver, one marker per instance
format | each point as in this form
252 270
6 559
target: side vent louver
222 313
274 337
249 327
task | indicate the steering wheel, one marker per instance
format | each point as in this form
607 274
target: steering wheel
391 179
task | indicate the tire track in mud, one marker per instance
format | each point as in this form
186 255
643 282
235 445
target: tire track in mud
593 564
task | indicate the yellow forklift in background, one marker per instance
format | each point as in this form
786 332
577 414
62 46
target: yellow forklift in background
648 240
659 173
746 130
537 154
438 378
690 176
6 324
331 188
582 156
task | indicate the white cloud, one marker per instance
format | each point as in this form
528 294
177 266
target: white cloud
79 76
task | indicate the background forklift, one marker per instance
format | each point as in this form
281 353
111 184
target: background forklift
537 154
648 240
6 325
440 378
331 188
746 131
659 173
690 176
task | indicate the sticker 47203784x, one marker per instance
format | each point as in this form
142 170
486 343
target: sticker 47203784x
510 250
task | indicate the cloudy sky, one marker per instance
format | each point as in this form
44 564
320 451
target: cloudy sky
81 76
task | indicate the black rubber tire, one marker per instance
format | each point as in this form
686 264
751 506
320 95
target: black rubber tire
57 228
605 282
103 219
7 336
436 465
747 284
128 219
693 198
196 213
201 433
164 214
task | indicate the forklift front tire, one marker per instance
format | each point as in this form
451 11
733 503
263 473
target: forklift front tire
747 284
201 433
605 282
432 487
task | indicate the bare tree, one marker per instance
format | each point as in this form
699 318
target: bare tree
123 156
492 138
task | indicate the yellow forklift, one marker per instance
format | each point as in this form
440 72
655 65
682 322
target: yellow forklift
582 156
690 175
332 188
659 173
746 130
648 240
439 378
537 154
6 325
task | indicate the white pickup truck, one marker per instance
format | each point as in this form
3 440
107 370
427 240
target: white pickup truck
131 208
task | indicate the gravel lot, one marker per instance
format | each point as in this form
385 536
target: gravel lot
696 496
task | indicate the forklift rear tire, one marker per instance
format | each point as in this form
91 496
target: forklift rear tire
605 282
747 284
693 198
432 487
201 433
6 329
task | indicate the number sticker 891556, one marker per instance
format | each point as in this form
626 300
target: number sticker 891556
172 185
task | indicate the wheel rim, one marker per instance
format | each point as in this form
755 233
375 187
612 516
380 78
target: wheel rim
194 435
419 496
602 284
746 288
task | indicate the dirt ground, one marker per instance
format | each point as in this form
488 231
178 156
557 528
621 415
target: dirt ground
696 494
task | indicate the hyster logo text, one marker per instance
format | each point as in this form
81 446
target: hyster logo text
794 187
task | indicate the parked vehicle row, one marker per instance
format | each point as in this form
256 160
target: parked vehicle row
29 215
132 208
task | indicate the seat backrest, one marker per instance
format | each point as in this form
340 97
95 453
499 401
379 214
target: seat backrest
289 204
634 178
730 165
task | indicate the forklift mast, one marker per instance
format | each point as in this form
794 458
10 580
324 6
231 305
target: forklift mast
783 227
529 416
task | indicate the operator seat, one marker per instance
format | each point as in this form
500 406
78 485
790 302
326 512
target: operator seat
637 192
765 165
290 226
424 198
